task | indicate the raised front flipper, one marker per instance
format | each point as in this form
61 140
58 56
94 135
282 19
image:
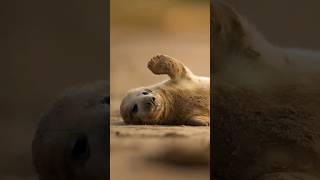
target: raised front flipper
199 121
162 64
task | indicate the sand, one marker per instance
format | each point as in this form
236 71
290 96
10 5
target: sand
159 152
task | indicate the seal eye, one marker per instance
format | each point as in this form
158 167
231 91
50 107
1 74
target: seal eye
145 93
135 108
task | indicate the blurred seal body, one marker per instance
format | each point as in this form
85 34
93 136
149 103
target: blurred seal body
266 104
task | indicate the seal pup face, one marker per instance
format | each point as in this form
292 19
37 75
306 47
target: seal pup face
141 106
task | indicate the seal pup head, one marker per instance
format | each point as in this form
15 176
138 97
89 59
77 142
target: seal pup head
141 106
235 39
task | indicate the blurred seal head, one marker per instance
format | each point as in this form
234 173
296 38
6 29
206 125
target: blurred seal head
70 142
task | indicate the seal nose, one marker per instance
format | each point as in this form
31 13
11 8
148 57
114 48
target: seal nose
145 93
150 100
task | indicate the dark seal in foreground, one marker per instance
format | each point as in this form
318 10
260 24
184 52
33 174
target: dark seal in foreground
70 142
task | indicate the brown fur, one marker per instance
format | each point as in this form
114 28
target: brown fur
192 103
256 135
265 112
184 99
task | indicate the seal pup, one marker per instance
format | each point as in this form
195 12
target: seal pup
184 99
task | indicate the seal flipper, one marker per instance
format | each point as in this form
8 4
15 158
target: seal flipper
199 121
162 64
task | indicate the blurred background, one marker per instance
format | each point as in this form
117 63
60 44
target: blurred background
142 28
46 46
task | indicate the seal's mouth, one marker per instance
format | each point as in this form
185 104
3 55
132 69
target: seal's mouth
151 104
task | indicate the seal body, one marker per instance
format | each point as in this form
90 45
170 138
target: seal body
266 104
184 99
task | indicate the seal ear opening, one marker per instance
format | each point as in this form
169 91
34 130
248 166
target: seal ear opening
80 150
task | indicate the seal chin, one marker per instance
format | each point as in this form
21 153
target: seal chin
149 103
154 107
151 114
150 109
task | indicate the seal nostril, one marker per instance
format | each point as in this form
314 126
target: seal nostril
153 98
